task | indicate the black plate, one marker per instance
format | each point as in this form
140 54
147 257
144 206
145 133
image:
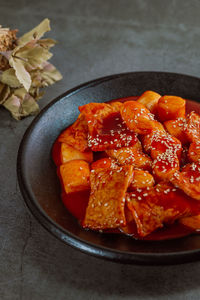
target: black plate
40 186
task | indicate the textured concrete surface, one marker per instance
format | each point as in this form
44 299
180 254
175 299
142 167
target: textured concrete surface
96 38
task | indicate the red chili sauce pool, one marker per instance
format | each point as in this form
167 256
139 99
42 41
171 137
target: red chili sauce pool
76 203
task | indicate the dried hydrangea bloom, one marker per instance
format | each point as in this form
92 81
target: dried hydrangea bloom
25 66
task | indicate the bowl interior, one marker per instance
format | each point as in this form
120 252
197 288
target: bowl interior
40 186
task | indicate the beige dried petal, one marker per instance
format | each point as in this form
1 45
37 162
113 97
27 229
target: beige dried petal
4 92
8 77
46 76
36 78
13 105
34 57
22 75
29 106
35 93
36 33
47 43
21 104
50 74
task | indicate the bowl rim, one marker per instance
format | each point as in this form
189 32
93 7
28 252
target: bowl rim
71 239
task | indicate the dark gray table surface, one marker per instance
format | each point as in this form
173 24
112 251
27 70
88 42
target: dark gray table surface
96 38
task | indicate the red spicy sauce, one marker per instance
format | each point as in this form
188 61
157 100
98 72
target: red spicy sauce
76 203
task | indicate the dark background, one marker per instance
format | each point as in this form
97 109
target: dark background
96 38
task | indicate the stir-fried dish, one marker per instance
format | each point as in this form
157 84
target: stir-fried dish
132 166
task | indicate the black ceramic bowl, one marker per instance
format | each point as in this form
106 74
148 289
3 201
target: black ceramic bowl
40 186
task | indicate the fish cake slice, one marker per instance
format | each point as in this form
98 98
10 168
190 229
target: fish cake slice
76 134
188 180
106 127
157 206
193 127
131 156
107 198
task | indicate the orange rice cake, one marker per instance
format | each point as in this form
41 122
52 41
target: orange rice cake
75 176
158 143
141 179
150 100
137 117
103 163
170 108
68 153
165 166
